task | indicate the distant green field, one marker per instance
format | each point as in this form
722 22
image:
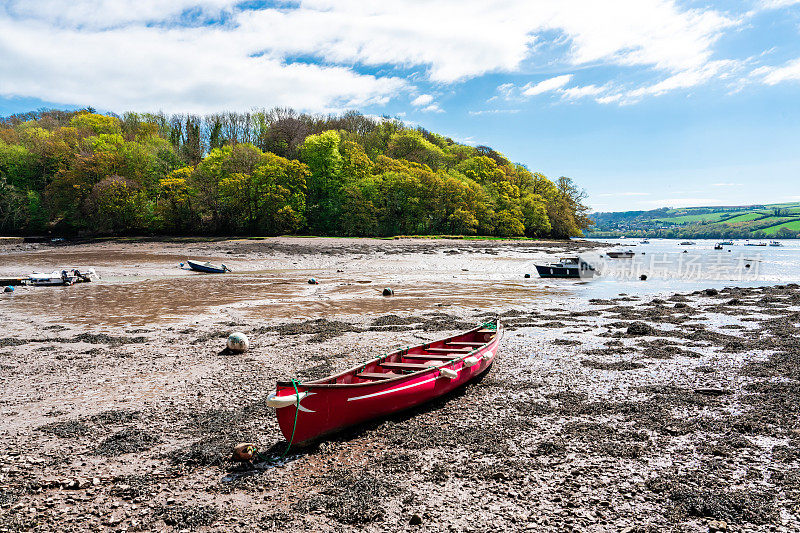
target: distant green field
794 226
701 222
746 217
685 219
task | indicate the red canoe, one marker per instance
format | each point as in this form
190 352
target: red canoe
399 380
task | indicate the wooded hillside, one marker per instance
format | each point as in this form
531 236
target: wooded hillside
266 173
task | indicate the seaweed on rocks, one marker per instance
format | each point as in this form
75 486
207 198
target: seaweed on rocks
116 416
567 342
348 496
68 429
698 494
616 365
127 441
183 516
321 329
639 329
133 486
102 338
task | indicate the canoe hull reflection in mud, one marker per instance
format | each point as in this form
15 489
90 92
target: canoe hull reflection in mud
397 381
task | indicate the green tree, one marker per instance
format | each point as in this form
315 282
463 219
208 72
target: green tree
321 154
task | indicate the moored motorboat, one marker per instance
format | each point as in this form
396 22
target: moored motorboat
718 246
645 241
775 243
394 382
727 243
63 277
567 267
621 254
687 243
206 267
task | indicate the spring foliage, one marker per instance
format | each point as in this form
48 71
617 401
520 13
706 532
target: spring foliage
266 173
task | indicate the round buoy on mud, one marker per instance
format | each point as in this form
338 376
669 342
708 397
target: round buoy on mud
747 265
527 276
643 277
237 342
8 289
244 452
387 291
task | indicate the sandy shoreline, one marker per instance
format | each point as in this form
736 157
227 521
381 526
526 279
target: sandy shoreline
645 414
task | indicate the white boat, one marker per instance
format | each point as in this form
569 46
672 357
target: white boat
63 277
775 243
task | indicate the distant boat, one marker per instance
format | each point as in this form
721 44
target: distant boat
207 267
775 243
754 244
567 267
687 243
645 242
718 246
621 254
63 277
727 243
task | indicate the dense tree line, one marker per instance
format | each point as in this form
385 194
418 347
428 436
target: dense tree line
266 173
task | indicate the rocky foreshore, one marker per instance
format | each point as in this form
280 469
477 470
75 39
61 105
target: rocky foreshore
628 414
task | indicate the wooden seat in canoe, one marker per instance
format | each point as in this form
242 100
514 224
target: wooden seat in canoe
377 375
430 357
447 350
405 366
486 331
465 343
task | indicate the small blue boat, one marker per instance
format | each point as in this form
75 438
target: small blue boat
207 267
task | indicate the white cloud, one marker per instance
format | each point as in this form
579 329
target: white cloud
124 54
575 93
494 112
421 100
433 108
774 75
181 70
777 4
547 85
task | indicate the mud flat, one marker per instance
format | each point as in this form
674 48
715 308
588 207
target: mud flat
670 413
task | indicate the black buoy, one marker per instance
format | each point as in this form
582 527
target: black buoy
643 277
388 291
8 289
527 275
313 281
747 265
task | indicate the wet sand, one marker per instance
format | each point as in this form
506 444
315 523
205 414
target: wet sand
119 409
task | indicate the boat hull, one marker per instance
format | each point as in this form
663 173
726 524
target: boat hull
546 271
327 409
620 255
208 269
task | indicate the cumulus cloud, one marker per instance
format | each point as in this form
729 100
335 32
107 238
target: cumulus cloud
209 54
422 100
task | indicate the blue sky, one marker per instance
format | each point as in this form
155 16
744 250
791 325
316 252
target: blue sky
645 103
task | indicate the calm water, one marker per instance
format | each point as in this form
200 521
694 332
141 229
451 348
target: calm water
669 269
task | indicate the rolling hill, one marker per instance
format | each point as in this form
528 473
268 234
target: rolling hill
753 221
